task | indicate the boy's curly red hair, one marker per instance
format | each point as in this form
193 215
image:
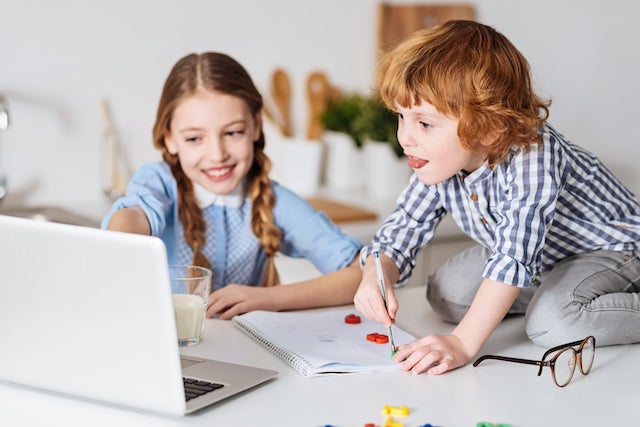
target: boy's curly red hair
470 72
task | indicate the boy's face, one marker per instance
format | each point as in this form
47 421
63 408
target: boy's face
430 141
213 134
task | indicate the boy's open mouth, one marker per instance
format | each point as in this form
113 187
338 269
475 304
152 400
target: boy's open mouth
416 163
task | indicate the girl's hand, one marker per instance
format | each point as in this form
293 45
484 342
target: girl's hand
433 354
237 299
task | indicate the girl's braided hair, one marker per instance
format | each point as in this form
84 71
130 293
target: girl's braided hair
217 72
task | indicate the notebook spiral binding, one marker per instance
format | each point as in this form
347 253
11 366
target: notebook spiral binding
299 363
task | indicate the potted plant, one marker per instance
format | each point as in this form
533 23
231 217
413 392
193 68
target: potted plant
375 122
386 170
341 113
343 161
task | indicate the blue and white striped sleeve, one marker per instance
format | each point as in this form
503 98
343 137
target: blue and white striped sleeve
527 200
408 228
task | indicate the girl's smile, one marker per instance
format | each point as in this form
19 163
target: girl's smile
213 136
219 174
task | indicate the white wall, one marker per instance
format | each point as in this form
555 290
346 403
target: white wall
59 58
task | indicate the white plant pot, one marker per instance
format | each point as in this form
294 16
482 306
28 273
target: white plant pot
386 175
296 163
344 170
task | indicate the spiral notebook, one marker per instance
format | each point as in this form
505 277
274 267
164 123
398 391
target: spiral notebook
319 343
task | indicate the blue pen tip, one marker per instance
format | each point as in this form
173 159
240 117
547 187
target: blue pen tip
375 254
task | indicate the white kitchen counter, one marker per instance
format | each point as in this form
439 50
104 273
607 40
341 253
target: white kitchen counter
497 392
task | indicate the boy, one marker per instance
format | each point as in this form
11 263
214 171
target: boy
557 233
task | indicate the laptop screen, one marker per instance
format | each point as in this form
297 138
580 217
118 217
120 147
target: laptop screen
88 312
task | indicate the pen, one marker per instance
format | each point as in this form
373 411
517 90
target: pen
376 259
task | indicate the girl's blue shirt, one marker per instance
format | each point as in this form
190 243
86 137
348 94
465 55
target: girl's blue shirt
231 247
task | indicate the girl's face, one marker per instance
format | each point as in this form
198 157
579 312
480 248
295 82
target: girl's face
213 135
430 141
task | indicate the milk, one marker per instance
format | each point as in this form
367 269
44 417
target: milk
190 313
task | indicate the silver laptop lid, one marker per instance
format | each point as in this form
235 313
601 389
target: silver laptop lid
88 312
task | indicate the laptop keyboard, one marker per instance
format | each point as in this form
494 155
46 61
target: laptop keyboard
195 388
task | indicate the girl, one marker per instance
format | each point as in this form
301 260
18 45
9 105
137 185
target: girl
212 203
557 233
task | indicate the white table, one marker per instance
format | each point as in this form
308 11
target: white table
495 391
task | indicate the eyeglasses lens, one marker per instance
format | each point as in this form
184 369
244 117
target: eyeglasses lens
565 364
587 355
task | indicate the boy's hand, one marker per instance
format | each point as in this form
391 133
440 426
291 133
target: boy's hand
437 354
368 299
433 354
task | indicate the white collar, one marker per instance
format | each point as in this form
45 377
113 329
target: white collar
206 198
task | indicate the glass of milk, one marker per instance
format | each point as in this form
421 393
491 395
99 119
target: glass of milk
190 286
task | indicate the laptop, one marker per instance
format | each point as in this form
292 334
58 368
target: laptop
88 313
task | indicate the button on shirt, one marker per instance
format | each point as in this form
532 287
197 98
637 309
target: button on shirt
536 208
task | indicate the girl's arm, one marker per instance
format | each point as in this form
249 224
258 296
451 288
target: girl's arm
331 289
306 234
437 354
337 288
130 220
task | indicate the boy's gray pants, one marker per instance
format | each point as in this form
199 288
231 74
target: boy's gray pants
596 293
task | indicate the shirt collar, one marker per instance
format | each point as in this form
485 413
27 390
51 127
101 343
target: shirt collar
206 198
477 175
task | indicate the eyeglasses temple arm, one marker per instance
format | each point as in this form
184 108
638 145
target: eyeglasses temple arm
512 359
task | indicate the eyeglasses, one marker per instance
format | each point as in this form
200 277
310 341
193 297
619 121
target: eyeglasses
562 363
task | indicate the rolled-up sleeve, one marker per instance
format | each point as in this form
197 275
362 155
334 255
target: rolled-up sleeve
523 214
310 234
152 188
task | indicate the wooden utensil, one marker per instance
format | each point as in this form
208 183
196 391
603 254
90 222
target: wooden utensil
281 92
318 93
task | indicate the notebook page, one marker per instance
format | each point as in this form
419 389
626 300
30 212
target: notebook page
320 342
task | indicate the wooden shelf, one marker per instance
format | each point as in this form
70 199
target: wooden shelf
340 212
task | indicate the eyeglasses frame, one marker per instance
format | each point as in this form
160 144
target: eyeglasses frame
551 362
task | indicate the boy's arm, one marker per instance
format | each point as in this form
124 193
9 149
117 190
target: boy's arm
437 354
490 305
